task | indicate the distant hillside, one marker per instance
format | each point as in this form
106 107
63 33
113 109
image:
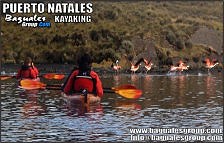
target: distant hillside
126 31
209 37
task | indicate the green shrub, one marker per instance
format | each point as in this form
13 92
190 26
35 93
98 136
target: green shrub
188 44
94 35
195 59
78 39
105 54
111 15
106 33
180 34
180 44
127 46
169 61
179 20
130 57
168 53
171 38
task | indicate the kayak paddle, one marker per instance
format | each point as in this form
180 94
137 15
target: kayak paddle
4 77
31 84
54 76
47 76
127 91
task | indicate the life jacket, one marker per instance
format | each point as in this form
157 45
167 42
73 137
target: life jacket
83 80
25 72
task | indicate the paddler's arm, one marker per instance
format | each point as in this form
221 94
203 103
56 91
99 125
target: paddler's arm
68 84
35 69
99 87
32 73
18 74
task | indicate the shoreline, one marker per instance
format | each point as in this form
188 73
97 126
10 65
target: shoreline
66 69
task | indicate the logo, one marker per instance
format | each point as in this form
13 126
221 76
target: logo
28 21
32 14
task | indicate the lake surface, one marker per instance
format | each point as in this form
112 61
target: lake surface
168 102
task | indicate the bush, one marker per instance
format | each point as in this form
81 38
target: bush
179 20
188 44
171 38
105 54
168 53
180 44
169 61
77 39
127 46
196 59
106 33
94 35
130 57
111 15
59 39
41 40
161 57
180 34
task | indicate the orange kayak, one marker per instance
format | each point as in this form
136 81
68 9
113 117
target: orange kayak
31 88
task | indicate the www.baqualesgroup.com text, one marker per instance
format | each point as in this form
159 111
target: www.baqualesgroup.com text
176 134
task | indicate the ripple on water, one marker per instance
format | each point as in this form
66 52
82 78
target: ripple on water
156 109
201 93
166 99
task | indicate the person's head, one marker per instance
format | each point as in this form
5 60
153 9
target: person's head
27 61
85 62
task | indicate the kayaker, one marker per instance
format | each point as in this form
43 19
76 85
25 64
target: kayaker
27 70
83 79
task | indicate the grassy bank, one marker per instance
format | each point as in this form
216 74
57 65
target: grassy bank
121 30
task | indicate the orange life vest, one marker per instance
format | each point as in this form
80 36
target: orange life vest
83 81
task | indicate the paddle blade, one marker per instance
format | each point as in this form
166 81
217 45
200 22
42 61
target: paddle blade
126 86
130 93
30 84
54 76
6 77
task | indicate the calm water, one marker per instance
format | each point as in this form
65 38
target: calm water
188 101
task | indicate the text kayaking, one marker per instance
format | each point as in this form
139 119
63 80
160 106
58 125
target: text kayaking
74 19
78 8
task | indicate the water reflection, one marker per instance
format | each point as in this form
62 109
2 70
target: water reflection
147 84
76 108
178 88
33 105
176 101
177 91
127 105
134 78
209 81
116 79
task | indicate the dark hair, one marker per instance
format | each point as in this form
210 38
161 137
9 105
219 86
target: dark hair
27 60
26 63
84 62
